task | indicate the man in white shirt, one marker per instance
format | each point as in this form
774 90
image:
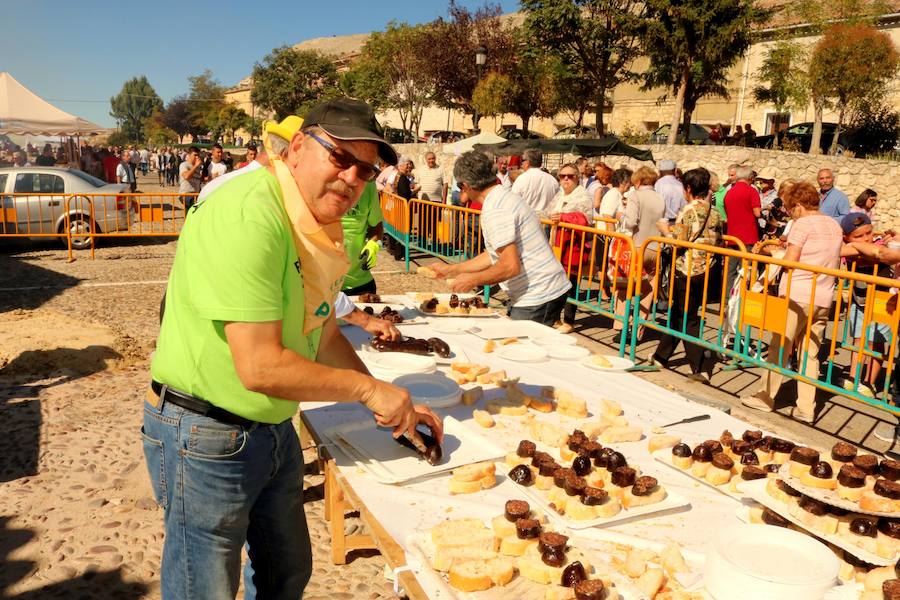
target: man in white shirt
125 174
431 180
670 189
536 187
503 173
216 167
516 255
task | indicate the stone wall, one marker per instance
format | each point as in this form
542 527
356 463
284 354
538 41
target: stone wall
853 175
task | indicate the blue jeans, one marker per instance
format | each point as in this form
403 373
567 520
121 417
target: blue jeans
546 313
221 486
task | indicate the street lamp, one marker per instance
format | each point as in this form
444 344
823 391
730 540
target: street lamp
480 59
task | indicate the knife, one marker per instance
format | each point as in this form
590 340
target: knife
689 420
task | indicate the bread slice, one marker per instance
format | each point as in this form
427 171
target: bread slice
548 434
533 568
470 533
511 545
458 377
629 500
474 472
658 442
464 367
470 487
489 346
610 408
619 434
571 406
476 575
651 582
427 272
445 557
489 378
506 406
483 418
539 404
473 395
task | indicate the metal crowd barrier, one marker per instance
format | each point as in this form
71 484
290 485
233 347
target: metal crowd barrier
760 309
79 219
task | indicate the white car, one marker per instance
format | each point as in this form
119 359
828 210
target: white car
34 201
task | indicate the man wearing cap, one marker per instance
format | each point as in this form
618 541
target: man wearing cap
670 189
248 333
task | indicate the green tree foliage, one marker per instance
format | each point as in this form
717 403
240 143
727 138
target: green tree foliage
155 130
232 118
691 45
135 102
489 95
390 72
449 57
876 124
206 97
574 93
783 79
254 127
850 63
597 41
290 81
177 117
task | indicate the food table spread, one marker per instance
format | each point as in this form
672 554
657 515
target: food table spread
402 512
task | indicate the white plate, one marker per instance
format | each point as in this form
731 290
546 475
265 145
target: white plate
827 496
401 363
567 352
554 339
757 491
522 353
451 327
435 390
619 363
374 451
747 562
507 328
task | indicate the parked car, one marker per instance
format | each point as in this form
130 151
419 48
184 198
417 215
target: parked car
444 137
699 134
801 134
394 135
43 211
567 133
520 134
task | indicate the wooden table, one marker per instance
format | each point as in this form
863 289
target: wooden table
340 498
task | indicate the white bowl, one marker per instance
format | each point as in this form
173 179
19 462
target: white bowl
435 390
749 562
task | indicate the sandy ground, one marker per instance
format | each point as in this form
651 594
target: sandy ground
77 518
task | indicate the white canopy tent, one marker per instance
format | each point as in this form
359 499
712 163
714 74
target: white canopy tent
23 112
485 137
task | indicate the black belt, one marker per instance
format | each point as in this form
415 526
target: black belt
198 405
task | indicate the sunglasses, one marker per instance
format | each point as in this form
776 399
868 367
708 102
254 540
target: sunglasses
344 160
568 176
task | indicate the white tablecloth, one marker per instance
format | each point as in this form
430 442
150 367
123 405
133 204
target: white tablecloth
421 504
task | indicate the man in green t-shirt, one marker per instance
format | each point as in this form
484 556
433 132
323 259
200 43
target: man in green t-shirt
233 359
363 229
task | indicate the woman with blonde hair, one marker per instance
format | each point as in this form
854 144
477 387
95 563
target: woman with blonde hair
814 239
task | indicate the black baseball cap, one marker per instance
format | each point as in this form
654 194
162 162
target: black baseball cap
349 119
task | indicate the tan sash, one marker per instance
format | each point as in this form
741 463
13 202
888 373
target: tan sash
320 248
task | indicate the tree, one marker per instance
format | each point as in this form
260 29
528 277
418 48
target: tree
531 91
290 81
232 117
135 102
155 130
784 82
574 93
177 117
488 97
597 41
449 57
692 44
390 73
850 63
254 127
206 98
819 15
876 125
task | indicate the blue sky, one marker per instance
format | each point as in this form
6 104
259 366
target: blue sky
109 42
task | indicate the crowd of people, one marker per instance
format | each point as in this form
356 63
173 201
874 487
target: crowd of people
799 221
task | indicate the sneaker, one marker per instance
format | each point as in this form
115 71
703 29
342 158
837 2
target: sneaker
756 402
888 432
699 378
799 416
